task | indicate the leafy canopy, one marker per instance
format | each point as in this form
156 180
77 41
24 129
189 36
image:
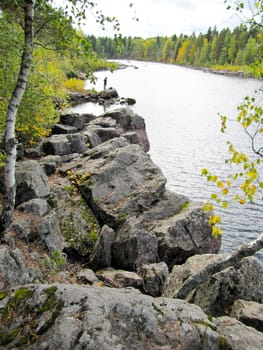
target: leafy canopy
245 177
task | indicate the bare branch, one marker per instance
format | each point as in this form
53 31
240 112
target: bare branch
242 252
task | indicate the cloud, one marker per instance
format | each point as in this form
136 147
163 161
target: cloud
162 17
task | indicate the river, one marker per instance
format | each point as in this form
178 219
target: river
180 107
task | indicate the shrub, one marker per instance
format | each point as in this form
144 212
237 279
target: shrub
74 84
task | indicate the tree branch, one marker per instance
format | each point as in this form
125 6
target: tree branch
243 251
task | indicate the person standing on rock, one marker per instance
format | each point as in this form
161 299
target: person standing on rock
105 83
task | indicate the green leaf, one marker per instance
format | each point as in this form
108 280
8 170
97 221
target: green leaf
224 205
204 172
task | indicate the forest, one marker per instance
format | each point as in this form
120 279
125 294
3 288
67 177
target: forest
235 49
61 56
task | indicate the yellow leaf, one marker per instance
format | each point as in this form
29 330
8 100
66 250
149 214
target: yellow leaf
225 191
252 174
242 201
214 219
220 184
216 231
207 206
244 186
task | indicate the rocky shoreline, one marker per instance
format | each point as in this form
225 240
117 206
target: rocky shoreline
99 249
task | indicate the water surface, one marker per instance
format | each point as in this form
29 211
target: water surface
180 107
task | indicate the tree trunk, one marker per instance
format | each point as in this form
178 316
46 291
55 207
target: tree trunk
9 137
243 251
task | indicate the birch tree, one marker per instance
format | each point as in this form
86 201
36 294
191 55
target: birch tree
26 12
10 142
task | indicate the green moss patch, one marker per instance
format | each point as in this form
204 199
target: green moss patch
223 344
185 206
79 226
3 295
205 324
19 320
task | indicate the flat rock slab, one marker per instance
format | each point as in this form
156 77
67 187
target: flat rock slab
124 181
120 278
80 317
31 181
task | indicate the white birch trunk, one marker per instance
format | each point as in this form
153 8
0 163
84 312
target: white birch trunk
9 137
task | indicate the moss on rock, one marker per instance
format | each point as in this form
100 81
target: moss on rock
19 319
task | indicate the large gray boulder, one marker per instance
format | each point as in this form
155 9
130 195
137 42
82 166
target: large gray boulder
87 276
134 246
103 122
102 255
65 144
126 191
107 94
180 273
13 269
217 294
63 129
31 181
95 318
50 163
76 120
127 122
97 135
237 336
154 276
36 206
76 98
27 217
185 234
122 116
119 278
34 221
181 227
78 225
126 183
48 232
34 152
112 124
249 313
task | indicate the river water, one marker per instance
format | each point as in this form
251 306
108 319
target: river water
180 107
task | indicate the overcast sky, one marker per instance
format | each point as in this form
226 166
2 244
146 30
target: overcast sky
164 17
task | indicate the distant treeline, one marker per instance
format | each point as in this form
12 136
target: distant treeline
236 47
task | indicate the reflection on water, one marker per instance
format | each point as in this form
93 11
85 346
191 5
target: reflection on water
180 107
89 107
